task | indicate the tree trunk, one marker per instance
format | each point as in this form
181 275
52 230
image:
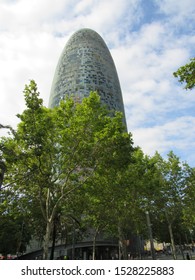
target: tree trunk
180 247
150 236
122 245
172 241
46 241
138 247
53 241
94 243
2 172
171 236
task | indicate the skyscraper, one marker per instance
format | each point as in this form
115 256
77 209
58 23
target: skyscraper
86 65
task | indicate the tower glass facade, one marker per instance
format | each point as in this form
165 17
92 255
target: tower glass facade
86 65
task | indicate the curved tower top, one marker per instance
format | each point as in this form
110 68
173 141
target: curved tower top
86 65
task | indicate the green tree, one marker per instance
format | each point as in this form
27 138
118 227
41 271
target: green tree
189 207
2 163
103 187
186 74
15 228
129 192
56 151
174 176
143 190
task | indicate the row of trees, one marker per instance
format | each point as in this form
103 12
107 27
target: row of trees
75 164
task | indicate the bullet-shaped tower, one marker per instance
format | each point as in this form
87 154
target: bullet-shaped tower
86 65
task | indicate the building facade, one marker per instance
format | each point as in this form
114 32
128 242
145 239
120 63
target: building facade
86 65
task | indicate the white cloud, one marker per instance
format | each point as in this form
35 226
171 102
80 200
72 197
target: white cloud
179 14
174 135
178 8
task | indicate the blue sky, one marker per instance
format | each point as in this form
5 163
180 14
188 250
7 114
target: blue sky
148 39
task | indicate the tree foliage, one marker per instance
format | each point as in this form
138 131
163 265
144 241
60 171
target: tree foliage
186 74
54 152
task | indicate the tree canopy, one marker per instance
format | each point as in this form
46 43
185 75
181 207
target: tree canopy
186 74
54 152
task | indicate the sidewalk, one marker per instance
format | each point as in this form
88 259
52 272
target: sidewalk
170 257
